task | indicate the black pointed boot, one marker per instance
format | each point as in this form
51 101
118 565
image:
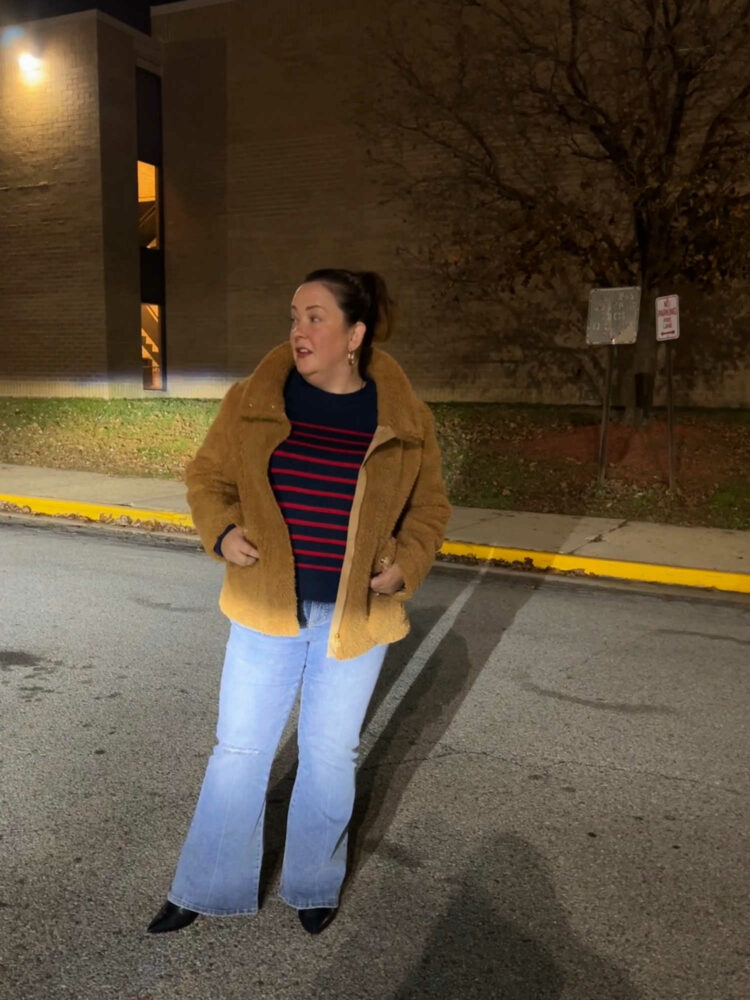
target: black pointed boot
171 918
316 920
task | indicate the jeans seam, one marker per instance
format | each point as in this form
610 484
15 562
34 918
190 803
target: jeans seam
260 845
310 904
218 850
298 781
210 911
325 809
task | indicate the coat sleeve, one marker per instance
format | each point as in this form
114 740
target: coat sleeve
425 516
212 491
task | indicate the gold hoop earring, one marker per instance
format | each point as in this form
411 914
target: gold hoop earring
351 358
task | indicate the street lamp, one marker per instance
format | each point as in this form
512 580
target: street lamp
31 68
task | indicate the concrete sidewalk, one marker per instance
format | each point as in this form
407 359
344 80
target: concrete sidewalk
589 546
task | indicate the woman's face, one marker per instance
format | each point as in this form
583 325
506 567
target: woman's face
320 336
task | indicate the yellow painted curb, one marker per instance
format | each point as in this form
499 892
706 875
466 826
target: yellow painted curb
96 511
618 569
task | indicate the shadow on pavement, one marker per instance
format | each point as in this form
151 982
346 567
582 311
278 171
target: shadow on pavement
509 940
419 722
502 935
425 714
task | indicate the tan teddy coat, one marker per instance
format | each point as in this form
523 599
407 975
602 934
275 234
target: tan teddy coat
398 514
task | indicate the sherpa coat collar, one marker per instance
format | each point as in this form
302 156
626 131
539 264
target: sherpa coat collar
398 407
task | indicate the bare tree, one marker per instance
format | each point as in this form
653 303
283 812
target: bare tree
570 144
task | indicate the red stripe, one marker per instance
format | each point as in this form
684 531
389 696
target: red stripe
316 510
328 569
296 443
315 538
307 436
278 471
319 461
334 430
324 555
324 437
281 487
315 524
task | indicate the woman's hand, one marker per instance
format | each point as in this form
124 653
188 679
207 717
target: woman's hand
237 550
390 581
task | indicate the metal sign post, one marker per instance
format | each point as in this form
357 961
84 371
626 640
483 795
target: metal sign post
668 330
612 320
604 429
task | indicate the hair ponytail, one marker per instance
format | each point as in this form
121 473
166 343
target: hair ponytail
363 297
381 304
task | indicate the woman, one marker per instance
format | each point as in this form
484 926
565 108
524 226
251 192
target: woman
319 485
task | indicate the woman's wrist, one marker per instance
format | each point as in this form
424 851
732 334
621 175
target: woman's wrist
220 539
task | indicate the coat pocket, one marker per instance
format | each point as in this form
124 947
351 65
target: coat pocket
385 556
386 618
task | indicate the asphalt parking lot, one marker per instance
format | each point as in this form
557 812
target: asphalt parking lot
553 791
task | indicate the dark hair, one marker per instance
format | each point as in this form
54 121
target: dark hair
362 297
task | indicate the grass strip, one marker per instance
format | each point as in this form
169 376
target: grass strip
499 456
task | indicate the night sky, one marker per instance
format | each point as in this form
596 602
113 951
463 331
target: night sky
134 12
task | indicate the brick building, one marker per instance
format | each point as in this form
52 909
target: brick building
161 194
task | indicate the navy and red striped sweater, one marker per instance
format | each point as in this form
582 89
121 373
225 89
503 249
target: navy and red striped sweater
314 474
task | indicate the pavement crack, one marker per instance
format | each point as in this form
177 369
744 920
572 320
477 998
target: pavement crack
401 761
598 538
611 768
623 708
712 636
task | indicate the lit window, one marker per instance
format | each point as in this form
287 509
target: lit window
148 205
152 347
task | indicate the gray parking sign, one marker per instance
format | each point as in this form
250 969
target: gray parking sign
613 315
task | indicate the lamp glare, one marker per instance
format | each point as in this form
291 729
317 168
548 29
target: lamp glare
31 67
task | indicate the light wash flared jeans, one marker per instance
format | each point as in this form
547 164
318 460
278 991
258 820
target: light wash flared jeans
219 866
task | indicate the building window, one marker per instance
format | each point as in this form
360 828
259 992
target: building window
151 346
151 230
149 208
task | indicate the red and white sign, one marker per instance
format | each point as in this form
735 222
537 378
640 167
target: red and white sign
668 317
